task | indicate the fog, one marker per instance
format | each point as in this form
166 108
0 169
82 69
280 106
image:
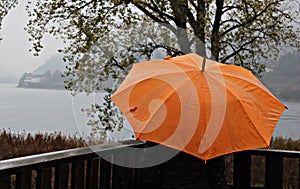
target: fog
15 58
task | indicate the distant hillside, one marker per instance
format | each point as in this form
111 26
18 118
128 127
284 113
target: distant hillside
284 80
46 76
54 63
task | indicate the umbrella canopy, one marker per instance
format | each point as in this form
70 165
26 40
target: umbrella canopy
198 106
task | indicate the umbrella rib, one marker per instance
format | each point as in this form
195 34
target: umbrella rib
239 101
261 87
258 84
249 118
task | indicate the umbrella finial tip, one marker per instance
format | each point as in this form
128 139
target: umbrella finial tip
203 64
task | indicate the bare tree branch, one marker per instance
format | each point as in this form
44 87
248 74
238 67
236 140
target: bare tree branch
81 7
237 51
243 24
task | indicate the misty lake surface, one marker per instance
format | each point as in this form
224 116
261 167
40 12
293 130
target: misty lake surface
39 110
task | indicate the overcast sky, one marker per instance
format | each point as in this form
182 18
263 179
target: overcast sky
15 58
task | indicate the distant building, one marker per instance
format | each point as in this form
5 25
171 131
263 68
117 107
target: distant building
47 80
32 79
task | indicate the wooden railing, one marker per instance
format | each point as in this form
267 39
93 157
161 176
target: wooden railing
278 166
84 168
81 168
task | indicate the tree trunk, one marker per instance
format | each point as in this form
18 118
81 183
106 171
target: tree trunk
215 37
180 9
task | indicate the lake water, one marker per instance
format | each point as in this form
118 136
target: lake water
39 110
34 110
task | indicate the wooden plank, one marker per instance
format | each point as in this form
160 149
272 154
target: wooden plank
117 174
61 180
275 152
130 179
274 170
38 181
78 177
241 170
137 180
105 174
117 171
123 176
44 177
137 156
88 173
92 173
23 180
5 182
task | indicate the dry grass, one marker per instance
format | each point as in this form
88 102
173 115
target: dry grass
16 144
283 143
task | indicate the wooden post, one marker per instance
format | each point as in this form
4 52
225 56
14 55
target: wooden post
44 178
23 180
77 179
105 174
241 170
61 180
5 182
92 173
274 170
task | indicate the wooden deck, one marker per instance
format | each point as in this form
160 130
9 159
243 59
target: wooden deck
82 168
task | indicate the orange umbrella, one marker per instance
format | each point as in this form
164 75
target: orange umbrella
198 106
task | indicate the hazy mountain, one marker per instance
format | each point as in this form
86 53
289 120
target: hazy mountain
54 63
46 76
284 80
